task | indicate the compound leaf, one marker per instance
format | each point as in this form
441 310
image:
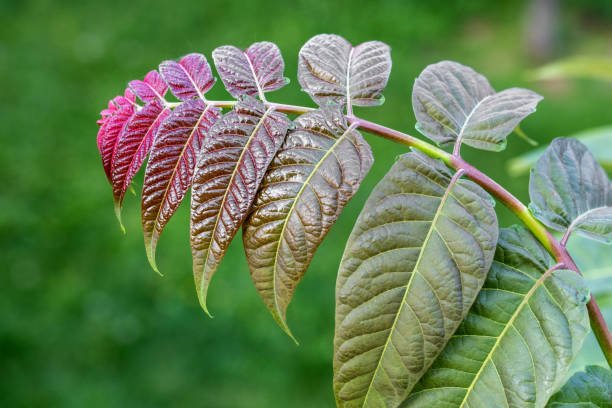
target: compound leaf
414 263
316 171
519 339
153 87
455 104
257 70
189 78
330 70
589 389
232 164
570 191
171 165
133 146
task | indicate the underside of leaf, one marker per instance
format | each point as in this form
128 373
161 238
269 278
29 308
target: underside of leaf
414 263
330 70
317 170
519 338
569 191
232 164
171 165
455 104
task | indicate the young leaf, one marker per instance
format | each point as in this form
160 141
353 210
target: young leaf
170 168
570 191
232 164
414 263
315 173
330 70
589 389
519 338
112 129
257 70
153 87
189 78
455 104
133 146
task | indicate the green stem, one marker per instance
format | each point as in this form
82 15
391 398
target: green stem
598 323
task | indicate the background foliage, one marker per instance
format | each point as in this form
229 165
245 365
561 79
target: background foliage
83 319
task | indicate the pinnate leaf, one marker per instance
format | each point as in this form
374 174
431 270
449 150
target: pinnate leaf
232 164
315 173
589 389
331 70
413 265
257 70
171 165
518 340
570 191
153 87
189 78
455 104
133 146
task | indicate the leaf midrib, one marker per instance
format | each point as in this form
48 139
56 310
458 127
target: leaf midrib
443 201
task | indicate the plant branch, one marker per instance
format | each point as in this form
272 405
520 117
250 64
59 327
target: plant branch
558 250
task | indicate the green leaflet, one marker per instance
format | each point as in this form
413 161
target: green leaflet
412 267
519 338
599 68
315 173
570 191
590 389
596 140
455 104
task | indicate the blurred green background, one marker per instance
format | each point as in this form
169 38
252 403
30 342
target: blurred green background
84 321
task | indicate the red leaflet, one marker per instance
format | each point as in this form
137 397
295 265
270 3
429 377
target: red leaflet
153 87
257 70
133 146
114 105
112 129
171 165
189 78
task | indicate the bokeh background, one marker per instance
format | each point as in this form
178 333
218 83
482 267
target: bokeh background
84 321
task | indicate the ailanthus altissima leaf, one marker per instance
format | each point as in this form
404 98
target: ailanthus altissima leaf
589 389
171 165
331 70
252 72
189 78
133 146
519 338
314 174
112 128
153 87
454 103
570 191
414 263
232 164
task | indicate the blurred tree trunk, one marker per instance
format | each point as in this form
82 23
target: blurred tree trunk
541 29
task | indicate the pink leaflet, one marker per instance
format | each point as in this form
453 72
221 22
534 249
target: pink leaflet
153 87
134 144
189 78
259 68
113 128
171 165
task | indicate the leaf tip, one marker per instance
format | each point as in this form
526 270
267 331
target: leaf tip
151 258
118 215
